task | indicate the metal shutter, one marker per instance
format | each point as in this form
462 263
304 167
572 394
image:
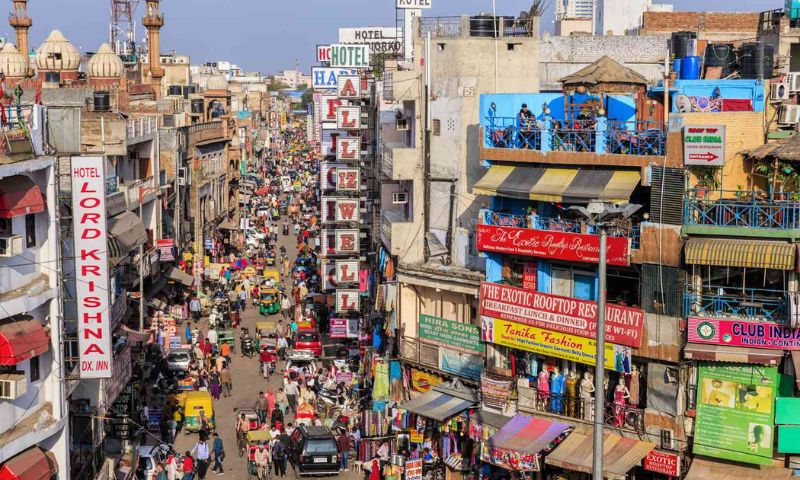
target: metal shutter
674 185
674 281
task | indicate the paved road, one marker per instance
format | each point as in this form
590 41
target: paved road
247 382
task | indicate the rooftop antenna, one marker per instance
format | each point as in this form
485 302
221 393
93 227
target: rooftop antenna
122 30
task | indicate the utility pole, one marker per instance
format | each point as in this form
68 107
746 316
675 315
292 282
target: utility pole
141 270
426 171
599 365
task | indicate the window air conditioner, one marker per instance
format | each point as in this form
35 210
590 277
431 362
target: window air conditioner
789 115
13 385
182 176
399 198
778 92
667 439
793 80
10 245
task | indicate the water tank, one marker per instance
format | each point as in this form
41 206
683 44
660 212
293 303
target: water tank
197 105
690 68
756 60
102 101
174 90
676 66
482 26
682 44
720 55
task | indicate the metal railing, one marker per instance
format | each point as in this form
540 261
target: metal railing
555 224
740 209
598 136
440 26
141 126
412 350
733 302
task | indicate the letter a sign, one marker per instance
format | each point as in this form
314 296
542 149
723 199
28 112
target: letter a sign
349 87
347 210
348 148
348 118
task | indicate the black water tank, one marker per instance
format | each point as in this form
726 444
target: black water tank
721 55
174 90
682 44
483 26
756 60
197 105
102 101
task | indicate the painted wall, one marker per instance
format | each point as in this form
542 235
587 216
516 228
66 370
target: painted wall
738 89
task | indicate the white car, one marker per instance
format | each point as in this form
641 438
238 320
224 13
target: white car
258 234
299 361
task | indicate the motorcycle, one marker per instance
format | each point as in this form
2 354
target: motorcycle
246 346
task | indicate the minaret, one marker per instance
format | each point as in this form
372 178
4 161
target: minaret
153 21
21 22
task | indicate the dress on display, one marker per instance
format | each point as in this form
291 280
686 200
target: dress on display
557 397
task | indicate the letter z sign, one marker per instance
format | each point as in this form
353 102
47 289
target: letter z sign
348 179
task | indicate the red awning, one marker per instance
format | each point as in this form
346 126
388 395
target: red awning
19 195
32 464
22 340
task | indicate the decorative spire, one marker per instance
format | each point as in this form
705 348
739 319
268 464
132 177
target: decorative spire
21 22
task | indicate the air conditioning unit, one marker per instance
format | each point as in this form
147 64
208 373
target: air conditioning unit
789 115
13 385
667 439
399 198
10 245
778 92
402 124
793 79
182 176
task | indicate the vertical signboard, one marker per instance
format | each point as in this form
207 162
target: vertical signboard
324 78
347 241
735 413
328 105
328 275
347 210
348 149
348 117
346 271
347 300
91 266
349 87
349 56
323 53
347 179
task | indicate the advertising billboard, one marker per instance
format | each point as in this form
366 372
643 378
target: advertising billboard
561 314
325 78
91 266
704 145
741 333
448 333
350 56
412 4
735 413
379 39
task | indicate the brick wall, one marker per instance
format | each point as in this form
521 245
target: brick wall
668 22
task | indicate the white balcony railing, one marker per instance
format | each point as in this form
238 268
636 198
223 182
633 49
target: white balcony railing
142 126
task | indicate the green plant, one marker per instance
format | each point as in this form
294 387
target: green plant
788 175
707 176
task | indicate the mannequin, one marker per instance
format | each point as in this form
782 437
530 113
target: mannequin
605 386
572 383
621 395
543 386
587 390
557 392
634 386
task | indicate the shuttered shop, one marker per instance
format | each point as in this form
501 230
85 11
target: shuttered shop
673 190
669 279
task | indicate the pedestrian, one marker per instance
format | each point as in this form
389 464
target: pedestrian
270 403
356 434
281 401
188 466
225 351
242 299
160 473
261 407
225 381
194 307
292 390
203 454
261 458
344 448
219 455
205 427
214 385
285 307
172 467
212 336
279 454
282 345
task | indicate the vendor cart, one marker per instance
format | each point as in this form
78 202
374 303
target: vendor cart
305 414
227 335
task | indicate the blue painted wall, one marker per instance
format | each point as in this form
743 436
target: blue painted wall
737 89
621 108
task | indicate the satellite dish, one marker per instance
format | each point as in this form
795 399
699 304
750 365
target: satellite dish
683 103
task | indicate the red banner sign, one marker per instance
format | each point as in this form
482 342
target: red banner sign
561 314
575 247
664 463
529 275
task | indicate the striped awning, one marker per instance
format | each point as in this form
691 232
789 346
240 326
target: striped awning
620 454
527 434
740 253
724 353
558 184
437 406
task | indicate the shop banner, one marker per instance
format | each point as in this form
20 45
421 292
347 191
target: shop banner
529 275
462 364
510 459
413 470
668 464
328 275
416 436
424 381
554 344
495 392
338 328
448 333
561 314
573 247
735 417
739 333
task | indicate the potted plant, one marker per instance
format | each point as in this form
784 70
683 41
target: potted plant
707 179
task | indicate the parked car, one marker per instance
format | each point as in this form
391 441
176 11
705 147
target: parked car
308 339
179 359
299 361
313 451
149 457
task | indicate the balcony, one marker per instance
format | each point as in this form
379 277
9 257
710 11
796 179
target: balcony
206 132
141 129
400 162
741 214
414 351
735 302
396 232
119 309
553 224
558 141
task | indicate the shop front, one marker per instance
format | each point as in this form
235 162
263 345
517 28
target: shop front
573 458
33 463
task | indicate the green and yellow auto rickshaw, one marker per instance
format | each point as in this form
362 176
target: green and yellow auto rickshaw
270 301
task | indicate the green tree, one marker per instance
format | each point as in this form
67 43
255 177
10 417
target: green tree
308 97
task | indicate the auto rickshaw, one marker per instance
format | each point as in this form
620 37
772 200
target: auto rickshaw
193 404
254 439
270 301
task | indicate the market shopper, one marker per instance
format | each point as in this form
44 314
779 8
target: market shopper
279 456
343 443
261 407
203 454
219 455
194 308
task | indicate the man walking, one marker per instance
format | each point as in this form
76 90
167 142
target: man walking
279 455
261 407
225 380
343 442
285 307
202 453
292 390
219 455
194 307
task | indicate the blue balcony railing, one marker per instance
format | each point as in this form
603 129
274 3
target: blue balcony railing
741 209
598 136
554 224
752 303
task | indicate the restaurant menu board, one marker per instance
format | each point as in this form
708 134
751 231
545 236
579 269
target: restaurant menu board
735 415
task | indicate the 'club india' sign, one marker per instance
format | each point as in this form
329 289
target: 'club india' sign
91 266
349 56
704 145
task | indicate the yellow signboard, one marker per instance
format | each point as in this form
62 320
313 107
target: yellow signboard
416 436
423 381
553 344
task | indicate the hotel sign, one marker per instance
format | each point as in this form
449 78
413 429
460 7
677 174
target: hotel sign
412 4
91 267
349 56
561 314
325 78
740 333
574 247
348 149
323 53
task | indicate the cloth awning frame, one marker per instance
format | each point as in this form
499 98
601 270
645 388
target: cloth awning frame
437 405
734 252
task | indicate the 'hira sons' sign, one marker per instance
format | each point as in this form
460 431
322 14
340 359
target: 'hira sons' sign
349 56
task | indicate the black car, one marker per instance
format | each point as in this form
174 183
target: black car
313 451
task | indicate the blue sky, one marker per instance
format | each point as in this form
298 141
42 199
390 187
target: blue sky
268 35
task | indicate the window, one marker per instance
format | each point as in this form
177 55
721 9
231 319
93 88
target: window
437 127
30 230
569 282
5 226
35 374
441 46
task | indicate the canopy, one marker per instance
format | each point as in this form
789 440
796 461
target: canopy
724 353
136 336
527 434
620 454
558 184
32 464
125 232
22 340
604 71
178 275
724 252
718 469
485 417
19 195
437 406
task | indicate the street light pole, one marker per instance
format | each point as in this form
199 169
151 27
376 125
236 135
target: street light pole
599 367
